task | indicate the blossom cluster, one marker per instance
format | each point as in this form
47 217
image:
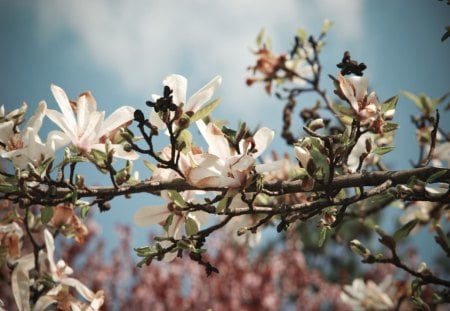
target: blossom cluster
219 181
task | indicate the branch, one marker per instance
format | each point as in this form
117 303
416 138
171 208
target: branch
277 188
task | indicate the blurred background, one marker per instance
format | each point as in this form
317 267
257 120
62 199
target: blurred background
122 50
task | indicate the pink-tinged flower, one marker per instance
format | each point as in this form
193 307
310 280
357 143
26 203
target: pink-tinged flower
10 238
26 146
172 212
369 295
223 166
59 273
366 106
178 84
86 127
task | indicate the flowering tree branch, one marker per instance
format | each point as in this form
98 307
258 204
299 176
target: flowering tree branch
337 173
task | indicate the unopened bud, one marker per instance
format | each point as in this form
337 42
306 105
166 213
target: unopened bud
316 124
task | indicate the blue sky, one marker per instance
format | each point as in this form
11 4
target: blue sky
121 51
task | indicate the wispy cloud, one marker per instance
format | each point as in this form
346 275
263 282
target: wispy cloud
142 41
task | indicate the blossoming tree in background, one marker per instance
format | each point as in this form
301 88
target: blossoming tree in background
332 175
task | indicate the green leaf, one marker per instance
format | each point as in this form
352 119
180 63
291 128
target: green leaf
46 214
168 222
323 236
404 231
389 127
326 26
84 211
205 111
344 110
260 37
359 249
191 226
415 99
150 165
436 176
7 188
389 104
176 198
185 139
383 150
385 238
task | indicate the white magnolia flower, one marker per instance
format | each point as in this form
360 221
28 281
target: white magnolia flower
88 129
178 84
368 295
59 272
26 147
152 215
223 166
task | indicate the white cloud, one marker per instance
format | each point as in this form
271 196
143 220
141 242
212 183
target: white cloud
142 41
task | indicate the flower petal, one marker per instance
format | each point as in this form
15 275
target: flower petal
203 95
263 137
117 119
151 215
178 84
64 104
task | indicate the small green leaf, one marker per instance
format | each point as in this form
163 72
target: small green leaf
191 226
323 236
150 165
185 139
46 214
260 37
436 176
389 127
359 249
205 111
404 231
385 238
7 188
389 104
176 198
98 155
383 150
168 222
84 211
415 99
344 110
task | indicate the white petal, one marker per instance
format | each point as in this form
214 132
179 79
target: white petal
203 95
218 144
156 120
263 137
6 131
43 303
92 133
64 105
269 167
60 121
36 120
178 84
57 139
50 246
151 215
82 289
118 118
